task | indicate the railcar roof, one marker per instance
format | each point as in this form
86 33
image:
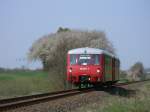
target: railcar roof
87 50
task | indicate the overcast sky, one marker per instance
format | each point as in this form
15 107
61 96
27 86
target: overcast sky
125 22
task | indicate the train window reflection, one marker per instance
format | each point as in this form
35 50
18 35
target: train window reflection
84 59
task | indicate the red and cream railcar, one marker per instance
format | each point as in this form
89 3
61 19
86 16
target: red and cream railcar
91 65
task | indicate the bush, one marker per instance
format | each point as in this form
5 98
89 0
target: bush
136 72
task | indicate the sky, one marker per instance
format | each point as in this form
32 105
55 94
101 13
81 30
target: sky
125 22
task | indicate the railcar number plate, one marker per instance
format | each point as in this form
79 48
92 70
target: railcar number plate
84 68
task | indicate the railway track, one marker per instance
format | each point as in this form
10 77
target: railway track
11 103
127 83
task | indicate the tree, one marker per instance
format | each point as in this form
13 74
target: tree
60 29
52 49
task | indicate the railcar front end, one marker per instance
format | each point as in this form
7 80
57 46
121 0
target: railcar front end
84 68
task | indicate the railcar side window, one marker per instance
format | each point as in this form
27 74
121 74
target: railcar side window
96 59
73 59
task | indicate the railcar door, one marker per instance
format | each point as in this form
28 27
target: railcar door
113 69
108 68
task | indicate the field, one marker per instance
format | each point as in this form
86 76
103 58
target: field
17 83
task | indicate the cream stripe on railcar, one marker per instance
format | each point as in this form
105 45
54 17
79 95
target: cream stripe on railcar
87 50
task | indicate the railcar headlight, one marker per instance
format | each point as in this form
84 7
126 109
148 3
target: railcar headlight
98 71
70 70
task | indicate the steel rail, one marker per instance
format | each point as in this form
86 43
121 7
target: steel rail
9 100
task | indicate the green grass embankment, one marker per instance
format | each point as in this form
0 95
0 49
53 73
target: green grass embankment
18 83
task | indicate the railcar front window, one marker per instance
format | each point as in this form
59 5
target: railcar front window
84 59
88 59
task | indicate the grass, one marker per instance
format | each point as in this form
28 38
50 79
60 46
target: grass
17 83
139 102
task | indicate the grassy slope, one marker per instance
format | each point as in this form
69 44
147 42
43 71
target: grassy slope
139 102
26 82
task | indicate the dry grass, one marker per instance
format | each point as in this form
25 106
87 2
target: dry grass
139 102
